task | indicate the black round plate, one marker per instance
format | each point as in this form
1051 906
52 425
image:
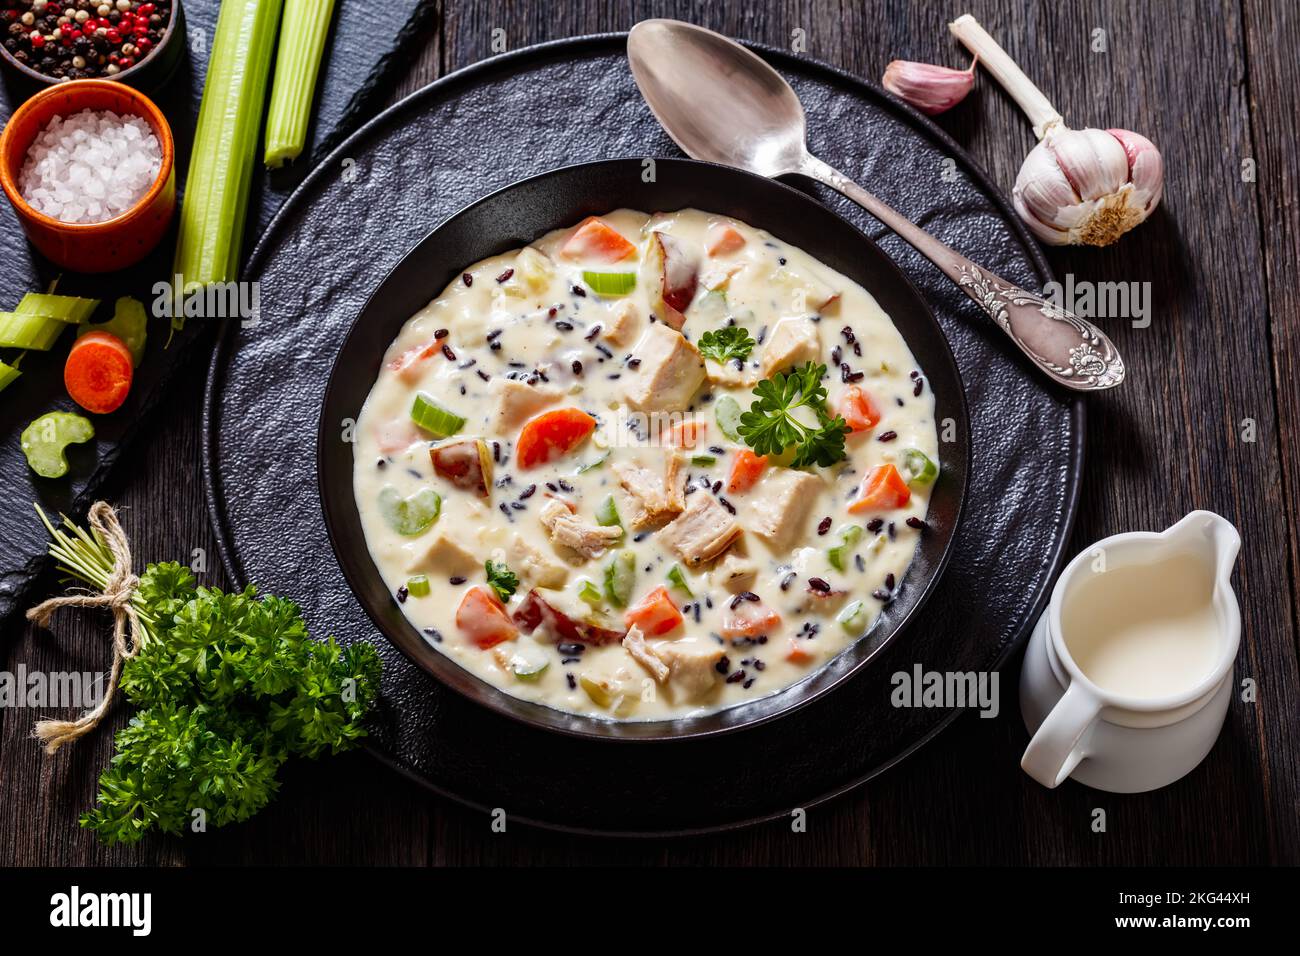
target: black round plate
523 113
514 216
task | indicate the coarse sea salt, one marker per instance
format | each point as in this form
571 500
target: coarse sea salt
90 166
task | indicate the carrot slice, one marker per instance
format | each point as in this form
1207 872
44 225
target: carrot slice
595 239
750 619
687 434
798 653
746 469
882 489
483 619
655 615
551 435
723 239
856 408
98 372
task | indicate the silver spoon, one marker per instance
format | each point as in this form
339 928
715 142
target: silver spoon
722 104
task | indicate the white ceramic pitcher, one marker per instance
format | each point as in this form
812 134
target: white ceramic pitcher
1127 743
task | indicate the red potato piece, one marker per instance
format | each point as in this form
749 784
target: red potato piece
551 435
466 464
723 239
596 239
536 611
673 278
482 618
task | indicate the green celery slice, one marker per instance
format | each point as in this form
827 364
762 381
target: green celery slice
433 418
607 514
305 25
727 413
418 585
215 205
918 469
129 323
620 577
849 535
610 283
19 330
409 516
853 618
7 375
44 440
703 461
66 308
587 591
678 580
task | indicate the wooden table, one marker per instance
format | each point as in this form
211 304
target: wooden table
1209 418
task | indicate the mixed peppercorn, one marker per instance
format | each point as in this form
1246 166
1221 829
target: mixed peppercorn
81 39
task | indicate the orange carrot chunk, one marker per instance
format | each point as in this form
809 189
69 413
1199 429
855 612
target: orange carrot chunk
98 372
482 618
750 619
856 408
746 469
594 239
798 653
723 239
882 489
655 615
551 435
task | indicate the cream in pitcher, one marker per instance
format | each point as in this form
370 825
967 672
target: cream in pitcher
1128 675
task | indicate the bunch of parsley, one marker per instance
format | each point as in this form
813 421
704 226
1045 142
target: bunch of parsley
228 687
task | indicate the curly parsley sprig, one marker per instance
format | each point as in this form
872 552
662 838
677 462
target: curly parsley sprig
770 425
729 342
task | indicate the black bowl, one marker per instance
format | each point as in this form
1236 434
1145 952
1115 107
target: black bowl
518 214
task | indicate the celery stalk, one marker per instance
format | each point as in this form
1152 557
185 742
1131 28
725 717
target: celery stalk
7 374
22 331
215 204
302 43
66 308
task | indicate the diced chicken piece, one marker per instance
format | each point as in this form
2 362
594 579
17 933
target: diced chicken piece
534 268
658 496
734 573
792 342
670 373
634 643
535 567
702 532
566 528
731 375
623 324
446 556
692 667
780 503
811 293
717 275
516 402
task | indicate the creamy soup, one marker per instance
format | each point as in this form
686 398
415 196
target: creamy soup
646 467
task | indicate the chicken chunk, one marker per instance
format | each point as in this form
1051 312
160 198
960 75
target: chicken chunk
780 503
670 373
535 567
568 529
732 373
659 497
793 342
624 321
634 643
702 532
692 667
734 573
446 555
516 402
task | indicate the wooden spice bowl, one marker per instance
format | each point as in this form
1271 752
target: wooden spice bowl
97 246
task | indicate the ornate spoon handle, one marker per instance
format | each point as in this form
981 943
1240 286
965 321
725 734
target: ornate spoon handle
1069 349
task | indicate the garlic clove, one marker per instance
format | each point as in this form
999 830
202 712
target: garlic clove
1146 167
1093 161
1043 195
931 89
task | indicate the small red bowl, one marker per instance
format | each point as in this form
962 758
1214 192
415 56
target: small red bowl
93 246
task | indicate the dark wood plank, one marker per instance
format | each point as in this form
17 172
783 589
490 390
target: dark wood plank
1222 260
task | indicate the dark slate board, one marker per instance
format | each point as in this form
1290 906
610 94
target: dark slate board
362 55
445 147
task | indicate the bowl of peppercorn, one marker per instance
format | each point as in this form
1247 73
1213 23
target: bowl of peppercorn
53 41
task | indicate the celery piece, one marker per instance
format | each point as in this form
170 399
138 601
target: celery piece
215 205
853 618
620 576
44 440
66 308
129 323
21 331
678 580
304 26
433 418
7 374
610 283
587 591
418 585
727 412
607 514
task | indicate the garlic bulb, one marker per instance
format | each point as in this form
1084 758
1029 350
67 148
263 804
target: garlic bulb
931 89
1076 187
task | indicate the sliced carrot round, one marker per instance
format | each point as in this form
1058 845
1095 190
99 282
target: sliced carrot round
551 435
98 372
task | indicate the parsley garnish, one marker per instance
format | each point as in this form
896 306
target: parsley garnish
769 427
501 579
731 342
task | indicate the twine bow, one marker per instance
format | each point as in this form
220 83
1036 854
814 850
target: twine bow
116 596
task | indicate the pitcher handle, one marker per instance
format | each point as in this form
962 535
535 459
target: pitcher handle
1054 751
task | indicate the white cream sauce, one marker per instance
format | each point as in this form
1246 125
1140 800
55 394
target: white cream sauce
530 314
